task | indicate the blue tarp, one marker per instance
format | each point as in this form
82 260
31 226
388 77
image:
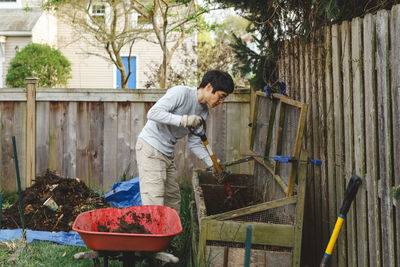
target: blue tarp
121 195
124 194
63 238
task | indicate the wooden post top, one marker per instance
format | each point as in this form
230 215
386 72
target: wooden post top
32 80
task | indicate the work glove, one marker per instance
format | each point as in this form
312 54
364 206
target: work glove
192 121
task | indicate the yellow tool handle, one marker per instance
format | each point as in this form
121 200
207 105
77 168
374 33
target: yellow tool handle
212 156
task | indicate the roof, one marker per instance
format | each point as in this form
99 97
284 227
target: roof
18 20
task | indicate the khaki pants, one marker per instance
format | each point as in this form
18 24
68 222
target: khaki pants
158 178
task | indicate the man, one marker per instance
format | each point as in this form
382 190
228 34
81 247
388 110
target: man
168 120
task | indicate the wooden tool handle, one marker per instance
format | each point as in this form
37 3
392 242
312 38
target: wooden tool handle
212 156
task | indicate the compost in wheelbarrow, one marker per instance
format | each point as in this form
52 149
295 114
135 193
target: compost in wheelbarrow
162 222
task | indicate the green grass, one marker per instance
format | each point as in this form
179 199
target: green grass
52 254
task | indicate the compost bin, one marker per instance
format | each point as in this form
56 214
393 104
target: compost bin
270 199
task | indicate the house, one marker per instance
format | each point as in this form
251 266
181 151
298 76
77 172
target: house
23 22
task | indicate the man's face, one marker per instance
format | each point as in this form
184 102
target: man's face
216 98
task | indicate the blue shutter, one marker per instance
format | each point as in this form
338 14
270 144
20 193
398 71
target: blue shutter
132 77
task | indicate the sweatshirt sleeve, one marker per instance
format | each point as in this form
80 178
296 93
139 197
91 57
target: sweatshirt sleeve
197 147
162 110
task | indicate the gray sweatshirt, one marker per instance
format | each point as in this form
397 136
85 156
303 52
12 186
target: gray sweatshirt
163 129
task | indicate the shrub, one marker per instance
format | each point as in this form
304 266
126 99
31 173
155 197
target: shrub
40 61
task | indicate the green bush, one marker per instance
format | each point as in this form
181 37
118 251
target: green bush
40 61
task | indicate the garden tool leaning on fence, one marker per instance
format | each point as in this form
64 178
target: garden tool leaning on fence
349 195
220 174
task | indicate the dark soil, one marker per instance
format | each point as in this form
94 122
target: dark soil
216 198
128 227
71 195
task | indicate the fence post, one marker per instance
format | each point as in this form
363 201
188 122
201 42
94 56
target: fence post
30 129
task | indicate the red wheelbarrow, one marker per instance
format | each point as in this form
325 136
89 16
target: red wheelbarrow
99 229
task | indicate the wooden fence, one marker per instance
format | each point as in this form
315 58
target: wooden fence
91 133
350 77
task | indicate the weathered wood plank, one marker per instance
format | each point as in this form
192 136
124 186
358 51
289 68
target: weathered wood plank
359 140
244 137
348 136
330 129
339 138
19 132
56 132
82 142
395 67
371 144
315 139
30 152
310 198
263 234
110 144
138 120
69 156
124 140
7 171
324 220
295 85
96 144
42 136
384 136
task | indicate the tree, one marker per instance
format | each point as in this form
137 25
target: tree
41 61
108 24
171 21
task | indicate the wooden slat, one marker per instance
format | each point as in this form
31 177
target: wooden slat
110 144
295 85
96 147
263 234
359 140
309 213
138 120
339 138
82 142
254 208
314 110
371 145
19 125
30 165
395 82
7 171
330 137
69 156
244 136
56 132
42 136
384 136
124 140
301 193
348 136
324 220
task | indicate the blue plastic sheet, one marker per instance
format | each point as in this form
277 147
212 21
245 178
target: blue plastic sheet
63 238
124 194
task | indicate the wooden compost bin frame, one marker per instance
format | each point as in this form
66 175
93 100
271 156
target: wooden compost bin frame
222 227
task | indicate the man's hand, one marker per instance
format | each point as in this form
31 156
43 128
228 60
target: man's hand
192 121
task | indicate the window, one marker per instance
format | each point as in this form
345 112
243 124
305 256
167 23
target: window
98 12
10 3
132 77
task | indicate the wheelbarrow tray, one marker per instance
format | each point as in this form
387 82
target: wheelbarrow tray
162 222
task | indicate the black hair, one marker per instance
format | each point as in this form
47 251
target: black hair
220 81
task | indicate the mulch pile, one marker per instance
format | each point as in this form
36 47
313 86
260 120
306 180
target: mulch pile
71 195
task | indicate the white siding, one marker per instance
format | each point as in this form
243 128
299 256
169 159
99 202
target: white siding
45 30
10 48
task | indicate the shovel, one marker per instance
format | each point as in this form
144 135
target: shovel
200 131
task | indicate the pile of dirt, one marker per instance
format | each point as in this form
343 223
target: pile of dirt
71 195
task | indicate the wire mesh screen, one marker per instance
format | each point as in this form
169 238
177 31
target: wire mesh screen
279 215
242 245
